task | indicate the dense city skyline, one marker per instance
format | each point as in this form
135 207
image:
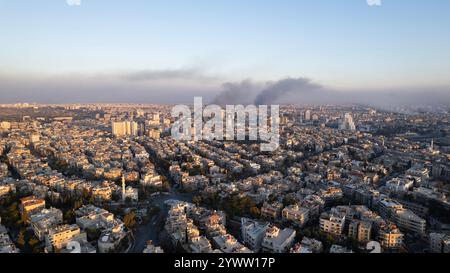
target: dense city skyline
207 136
115 178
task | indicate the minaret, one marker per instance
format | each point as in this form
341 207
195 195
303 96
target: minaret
432 145
123 188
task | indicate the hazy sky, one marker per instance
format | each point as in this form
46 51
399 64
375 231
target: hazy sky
169 50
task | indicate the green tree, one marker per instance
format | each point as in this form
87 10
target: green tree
21 239
255 212
130 220
197 200
24 216
93 234
77 204
69 216
32 242
91 200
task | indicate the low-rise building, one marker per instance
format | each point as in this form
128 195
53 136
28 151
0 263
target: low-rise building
337 249
390 237
102 193
307 245
409 221
41 222
296 214
79 244
131 193
200 244
91 217
150 248
253 233
228 244
360 230
30 205
271 210
405 219
110 239
277 240
58 237
439 243
333 224
6 244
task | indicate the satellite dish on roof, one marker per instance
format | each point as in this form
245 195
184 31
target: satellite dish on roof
373 247
74 246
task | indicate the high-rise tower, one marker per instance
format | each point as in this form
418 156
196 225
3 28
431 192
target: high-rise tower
123 188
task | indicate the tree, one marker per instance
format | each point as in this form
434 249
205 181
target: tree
130 220
32 242
77 204
255 212
166 185
24 216
288 200
93 233
85 194
21 239
197 200
69 216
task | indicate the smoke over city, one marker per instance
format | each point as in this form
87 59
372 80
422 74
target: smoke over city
282 88
304 91
243 92
250 92
174 87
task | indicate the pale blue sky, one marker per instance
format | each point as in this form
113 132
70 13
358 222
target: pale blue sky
339 43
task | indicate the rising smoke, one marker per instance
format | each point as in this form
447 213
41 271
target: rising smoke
249 92
304 91
243 92
282 88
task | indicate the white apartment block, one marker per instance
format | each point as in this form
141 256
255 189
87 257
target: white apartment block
278 241
228 244
253 233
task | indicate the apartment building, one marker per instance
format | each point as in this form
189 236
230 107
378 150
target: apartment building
409 221
228 244
390 237
124 128
58 237
331 223
296 214
30 205
403 218
41 222
271 210
277 240
253 233
360 230
93 217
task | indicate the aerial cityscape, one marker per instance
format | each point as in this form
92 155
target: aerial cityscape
112 178
193 139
